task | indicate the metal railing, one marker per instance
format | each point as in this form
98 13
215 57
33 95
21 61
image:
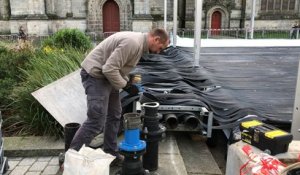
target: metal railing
233 33
238 33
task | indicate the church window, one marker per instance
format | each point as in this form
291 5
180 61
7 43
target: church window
264 5
285 5
292 5
277 5
270 5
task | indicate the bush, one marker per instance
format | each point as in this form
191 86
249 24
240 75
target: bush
23 71
69 38
43 69
10 63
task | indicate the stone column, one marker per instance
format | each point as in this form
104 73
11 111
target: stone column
69 8
36 8
141 7
4 9
50 7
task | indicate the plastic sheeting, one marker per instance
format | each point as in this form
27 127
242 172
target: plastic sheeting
232 86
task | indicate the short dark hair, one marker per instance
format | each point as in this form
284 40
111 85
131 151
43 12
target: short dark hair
162 33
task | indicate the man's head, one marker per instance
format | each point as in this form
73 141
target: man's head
158 40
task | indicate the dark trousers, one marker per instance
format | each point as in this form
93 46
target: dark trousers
103 114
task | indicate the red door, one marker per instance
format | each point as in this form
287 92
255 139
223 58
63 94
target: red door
111 17
216 22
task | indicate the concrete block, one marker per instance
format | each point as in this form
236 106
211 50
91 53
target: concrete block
32 146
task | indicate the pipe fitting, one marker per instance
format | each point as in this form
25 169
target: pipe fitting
191 121
171 121
132 121
150 108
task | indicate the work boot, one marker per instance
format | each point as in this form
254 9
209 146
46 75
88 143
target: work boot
118 160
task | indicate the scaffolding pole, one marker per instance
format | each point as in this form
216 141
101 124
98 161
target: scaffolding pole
252 18
197 34
175 22
296 113
165 14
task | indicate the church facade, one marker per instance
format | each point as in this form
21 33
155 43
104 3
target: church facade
43 17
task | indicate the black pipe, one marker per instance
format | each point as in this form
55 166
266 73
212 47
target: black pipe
152 134
69 131
191 121
132 165
171 121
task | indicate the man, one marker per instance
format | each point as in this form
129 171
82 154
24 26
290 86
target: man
22 35
104 72
294 30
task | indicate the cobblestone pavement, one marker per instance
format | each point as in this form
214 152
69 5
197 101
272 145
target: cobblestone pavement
33 166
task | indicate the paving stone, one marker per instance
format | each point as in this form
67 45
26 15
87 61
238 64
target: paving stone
54 161
38 166
7 172
45 159
196 156
33 173
19 170
28 161
50 170
12 164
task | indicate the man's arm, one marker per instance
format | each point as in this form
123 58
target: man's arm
116 61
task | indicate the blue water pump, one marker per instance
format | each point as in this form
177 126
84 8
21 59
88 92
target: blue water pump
132 147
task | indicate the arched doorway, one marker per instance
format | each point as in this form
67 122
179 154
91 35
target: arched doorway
111 17
216 20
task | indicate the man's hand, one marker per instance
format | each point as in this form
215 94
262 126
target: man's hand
131 89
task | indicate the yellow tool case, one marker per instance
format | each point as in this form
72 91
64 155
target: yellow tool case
265 137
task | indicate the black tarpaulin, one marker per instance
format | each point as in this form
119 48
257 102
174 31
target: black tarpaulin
232 86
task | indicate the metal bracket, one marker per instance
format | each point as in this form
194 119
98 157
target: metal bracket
209 124
202 112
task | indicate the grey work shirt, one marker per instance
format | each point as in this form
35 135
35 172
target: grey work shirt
116 56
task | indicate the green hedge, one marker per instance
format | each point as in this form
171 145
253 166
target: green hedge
69 38
44 68
23 71
10 63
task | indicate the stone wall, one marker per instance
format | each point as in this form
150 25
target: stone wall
272 24
27 9
42 17
79 8
4 27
